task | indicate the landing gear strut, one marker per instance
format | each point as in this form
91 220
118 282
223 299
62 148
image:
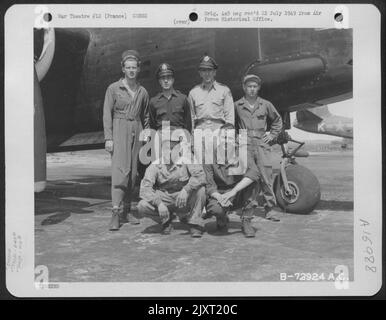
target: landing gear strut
297 189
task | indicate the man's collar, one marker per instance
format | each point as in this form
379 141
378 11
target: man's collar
245 103
161 94
212 86
121 83
125 85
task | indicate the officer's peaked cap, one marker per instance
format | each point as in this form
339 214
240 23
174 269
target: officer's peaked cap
164 69
207 62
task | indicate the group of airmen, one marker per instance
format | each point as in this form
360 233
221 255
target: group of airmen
193 192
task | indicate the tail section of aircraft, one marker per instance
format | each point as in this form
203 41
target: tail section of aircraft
320 120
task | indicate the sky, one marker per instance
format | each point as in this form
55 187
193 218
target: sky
343 108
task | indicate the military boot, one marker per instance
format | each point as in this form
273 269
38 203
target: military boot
132 219
123 217
246 227
114 222
196 231
273 215
222 224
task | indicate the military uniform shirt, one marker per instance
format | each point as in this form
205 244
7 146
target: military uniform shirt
218 177
170 179
176 110
215 104
255 119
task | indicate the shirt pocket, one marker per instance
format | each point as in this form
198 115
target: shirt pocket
161 113
120 101
218 107
260 120
178 109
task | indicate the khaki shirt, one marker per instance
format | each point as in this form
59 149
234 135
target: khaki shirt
170 179
215 104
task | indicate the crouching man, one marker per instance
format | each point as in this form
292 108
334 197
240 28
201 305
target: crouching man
227 191
173 187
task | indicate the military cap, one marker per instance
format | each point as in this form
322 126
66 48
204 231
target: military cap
164 69
207 62
130 54
252 77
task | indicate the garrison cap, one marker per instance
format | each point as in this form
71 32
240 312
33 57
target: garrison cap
207 62
164 69
130 54
252 77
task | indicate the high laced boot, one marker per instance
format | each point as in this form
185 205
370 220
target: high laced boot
222 224
114 222
246 227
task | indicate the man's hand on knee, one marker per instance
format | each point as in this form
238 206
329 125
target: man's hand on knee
146 205
227 198
181 199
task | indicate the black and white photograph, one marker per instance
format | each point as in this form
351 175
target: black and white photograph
193 153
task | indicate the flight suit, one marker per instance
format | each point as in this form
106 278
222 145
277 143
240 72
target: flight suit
219 180
175 109
124 117
162 183
254 120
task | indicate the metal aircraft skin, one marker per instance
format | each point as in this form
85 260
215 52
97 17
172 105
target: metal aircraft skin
320 120
300 68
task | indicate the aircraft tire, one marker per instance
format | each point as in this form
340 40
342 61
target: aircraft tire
306 187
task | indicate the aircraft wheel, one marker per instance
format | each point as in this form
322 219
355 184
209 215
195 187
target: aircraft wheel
305 190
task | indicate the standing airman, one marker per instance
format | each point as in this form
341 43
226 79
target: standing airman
211 102
125 114
169 105
252 114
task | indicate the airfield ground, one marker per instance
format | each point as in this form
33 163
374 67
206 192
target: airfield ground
72 240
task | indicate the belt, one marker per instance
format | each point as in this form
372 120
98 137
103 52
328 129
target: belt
208 121
118 115
254 133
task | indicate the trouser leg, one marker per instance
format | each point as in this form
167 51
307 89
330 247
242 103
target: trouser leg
192 212
144 207
247 201
215 209
117 195
267 190
195 205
